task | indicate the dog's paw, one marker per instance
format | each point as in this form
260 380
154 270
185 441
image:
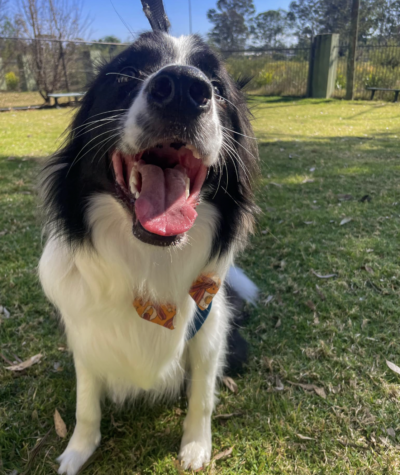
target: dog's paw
194 455
73 459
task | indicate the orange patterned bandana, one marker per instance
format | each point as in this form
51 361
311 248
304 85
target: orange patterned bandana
202 292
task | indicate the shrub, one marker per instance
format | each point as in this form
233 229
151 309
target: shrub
269 75
386 57
264 78
340 81
12 81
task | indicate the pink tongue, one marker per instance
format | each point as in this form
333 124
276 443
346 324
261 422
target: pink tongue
162 207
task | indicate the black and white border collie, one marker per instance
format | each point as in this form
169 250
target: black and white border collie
152 189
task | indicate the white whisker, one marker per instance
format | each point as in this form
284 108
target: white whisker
238 133
79 156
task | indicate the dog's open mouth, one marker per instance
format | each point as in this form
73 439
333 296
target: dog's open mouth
161 186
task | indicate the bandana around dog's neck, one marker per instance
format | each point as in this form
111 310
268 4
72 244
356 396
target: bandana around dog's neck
202 291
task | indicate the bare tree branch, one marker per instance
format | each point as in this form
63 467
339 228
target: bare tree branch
45 20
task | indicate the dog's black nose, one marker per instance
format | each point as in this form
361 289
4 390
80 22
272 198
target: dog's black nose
183 90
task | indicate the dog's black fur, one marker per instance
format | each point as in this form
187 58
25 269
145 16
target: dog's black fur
82 166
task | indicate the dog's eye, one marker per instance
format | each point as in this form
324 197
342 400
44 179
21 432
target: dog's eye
218 91
127 75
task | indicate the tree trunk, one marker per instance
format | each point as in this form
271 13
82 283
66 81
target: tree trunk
351 60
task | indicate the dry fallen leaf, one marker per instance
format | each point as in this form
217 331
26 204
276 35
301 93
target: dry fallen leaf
224 454
59 424
267 362
230 384
310 305
393 367
278 384
345 221
304 437
269 299
320 392
6 313
25 364
311 387
57 366
384 440
278 323
327 276
335 389
364 323
368 269
390 431
225 417
345 197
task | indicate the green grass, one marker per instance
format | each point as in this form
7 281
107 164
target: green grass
338 343
17 99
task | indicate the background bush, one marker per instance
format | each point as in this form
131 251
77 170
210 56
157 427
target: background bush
12 81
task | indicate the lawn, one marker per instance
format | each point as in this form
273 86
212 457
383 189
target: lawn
317 397
17 99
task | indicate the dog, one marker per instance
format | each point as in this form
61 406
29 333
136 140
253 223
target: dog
146 205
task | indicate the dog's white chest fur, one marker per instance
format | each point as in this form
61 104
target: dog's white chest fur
95 290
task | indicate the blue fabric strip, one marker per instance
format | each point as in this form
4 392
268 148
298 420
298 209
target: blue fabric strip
199 319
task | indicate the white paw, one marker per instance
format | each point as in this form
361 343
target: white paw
194 455
72 460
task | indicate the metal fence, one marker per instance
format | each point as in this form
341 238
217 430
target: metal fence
68 66
284 72
274 72
376 66
62 66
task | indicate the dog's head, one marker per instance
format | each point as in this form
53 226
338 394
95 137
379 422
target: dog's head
161 128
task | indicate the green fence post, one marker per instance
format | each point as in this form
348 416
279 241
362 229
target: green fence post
3 85
323 66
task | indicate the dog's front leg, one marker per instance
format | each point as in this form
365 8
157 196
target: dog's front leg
196 442
86 436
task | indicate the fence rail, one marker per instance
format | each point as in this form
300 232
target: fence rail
70 65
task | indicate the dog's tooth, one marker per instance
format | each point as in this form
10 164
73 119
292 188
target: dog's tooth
196 153
187 192
133 182
136 194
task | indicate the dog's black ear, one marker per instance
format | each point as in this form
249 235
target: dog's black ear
243 81
155 13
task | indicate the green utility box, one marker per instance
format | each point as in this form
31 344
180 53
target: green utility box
323 66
